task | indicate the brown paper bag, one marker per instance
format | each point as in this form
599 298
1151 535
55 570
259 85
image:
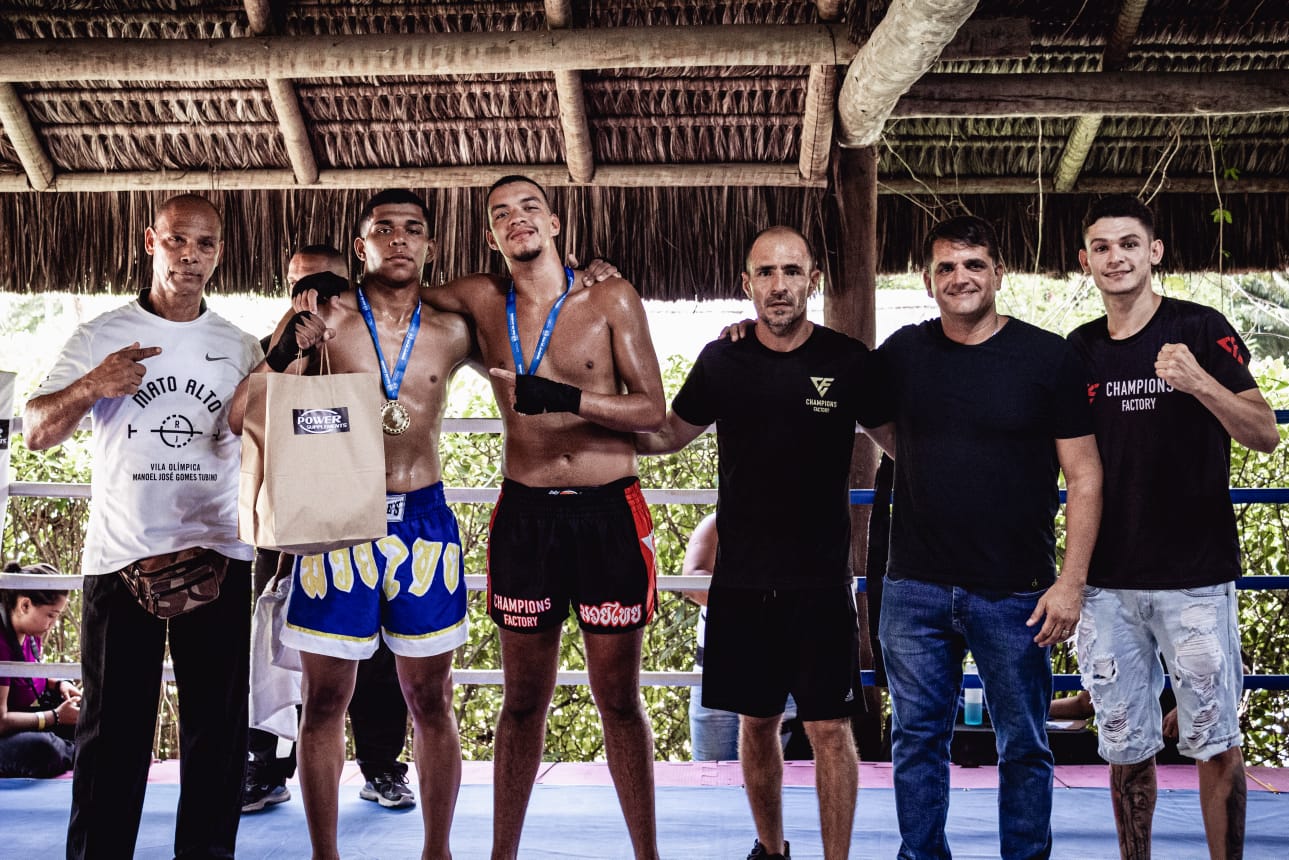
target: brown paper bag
313 462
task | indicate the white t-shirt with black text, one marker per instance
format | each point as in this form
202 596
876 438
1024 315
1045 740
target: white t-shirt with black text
165 465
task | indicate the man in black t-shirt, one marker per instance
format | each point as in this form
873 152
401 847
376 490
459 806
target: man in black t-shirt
781 612
982 412
1169 385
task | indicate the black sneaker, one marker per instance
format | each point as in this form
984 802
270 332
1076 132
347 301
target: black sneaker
257 795
389 790
759 852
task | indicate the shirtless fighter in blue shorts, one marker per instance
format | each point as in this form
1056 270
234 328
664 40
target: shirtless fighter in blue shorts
407 586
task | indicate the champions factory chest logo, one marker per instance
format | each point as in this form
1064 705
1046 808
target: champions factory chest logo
1133 395
315 422
821 385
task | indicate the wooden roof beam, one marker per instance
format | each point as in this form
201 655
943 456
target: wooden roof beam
829 10
22 136
817 123
909 39
469 176
821 107
1155 94
413 54
950 186
295 135
578 153
1079 143
260 14
286 103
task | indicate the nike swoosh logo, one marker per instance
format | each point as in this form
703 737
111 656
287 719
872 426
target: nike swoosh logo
210 357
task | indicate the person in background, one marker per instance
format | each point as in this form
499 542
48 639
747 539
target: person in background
713 733
37 716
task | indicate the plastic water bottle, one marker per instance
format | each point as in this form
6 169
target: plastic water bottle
973 695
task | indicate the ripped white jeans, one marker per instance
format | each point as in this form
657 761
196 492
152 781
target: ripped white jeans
1121 634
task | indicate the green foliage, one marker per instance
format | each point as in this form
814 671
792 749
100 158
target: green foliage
43 529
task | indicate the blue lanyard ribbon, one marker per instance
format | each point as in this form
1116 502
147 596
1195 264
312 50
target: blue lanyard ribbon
391 381
512 326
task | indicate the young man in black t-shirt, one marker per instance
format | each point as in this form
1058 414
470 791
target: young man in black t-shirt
1169 385
781 612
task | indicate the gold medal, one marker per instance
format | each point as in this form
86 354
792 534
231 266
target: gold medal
394 418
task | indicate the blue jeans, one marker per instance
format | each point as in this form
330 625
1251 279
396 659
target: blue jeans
713 734
1121 634
925 630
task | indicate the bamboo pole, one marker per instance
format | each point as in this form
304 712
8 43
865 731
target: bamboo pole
1079 144
829 10
817 122
904 45
1023 185
1153 94
821 107
572 104
470 176
22 136
423 53
286 103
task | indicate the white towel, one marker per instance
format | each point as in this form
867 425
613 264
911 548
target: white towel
275 668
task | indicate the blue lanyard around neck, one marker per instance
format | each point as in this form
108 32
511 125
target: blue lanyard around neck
544 340
392 381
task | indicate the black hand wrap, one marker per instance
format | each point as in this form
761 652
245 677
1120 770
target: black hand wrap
536 394
286 350
328 284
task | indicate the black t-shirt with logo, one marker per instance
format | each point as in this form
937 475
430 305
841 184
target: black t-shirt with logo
976 467
1167 519
785 424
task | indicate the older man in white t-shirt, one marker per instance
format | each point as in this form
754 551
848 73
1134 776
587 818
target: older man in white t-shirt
156 376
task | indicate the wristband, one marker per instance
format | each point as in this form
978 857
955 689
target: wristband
40 721
328 284
286 350
536 394
54 714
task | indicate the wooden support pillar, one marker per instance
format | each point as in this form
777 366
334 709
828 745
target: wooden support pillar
850 306
850 299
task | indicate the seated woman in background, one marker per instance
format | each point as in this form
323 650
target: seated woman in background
37 717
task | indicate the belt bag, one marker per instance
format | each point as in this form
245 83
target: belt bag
176 582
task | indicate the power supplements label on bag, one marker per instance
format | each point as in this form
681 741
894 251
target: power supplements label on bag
312 422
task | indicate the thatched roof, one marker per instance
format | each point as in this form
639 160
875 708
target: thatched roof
669 130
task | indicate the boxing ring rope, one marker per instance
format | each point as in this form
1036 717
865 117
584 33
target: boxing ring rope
478 582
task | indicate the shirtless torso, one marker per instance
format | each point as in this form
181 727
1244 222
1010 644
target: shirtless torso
602 366
441 347
600 344
393 245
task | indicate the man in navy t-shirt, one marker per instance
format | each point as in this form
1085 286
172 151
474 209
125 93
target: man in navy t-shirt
981 413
